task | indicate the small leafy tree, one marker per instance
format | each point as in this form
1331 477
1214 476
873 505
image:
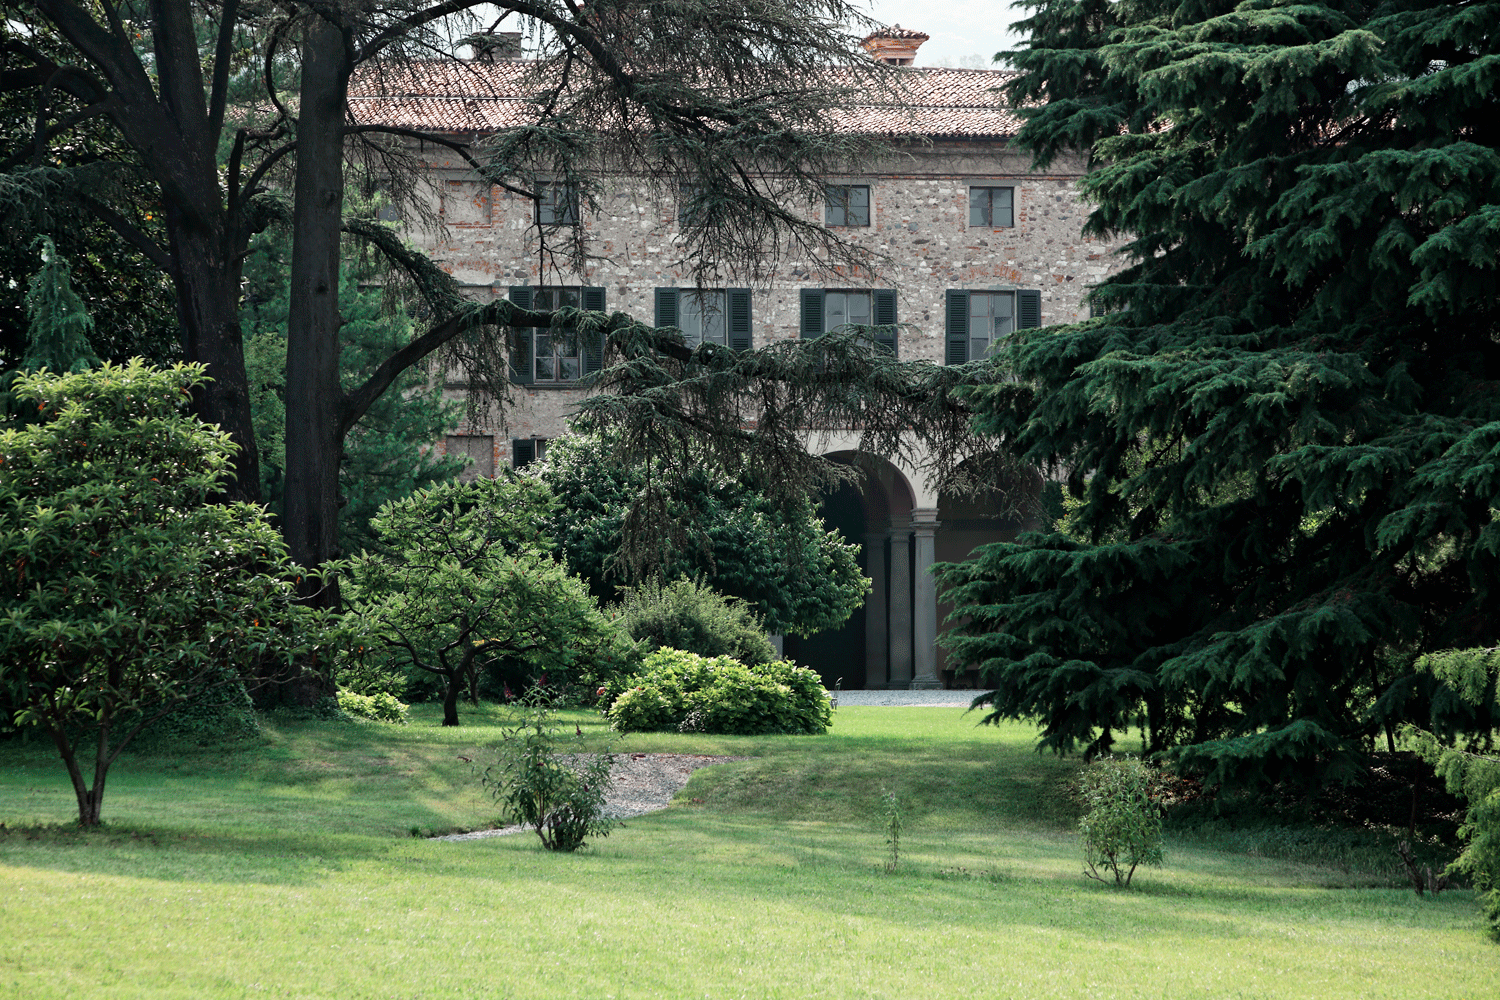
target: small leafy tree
1122 828
1471 675
126 593
556 789
468 577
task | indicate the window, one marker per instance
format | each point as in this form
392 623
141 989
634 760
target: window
991 207
554 355
478 448
524 451
824 310
557 203
847 205
979 320
720 316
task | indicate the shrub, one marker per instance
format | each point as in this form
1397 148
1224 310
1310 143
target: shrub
555 789
1122 828
676 689
379 707
689 615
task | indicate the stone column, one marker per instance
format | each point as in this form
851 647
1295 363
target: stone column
877 669
900 620
924 604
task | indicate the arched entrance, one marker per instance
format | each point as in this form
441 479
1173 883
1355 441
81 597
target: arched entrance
874 648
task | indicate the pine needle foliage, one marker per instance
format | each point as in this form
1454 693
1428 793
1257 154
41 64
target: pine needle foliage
60 325
1284 426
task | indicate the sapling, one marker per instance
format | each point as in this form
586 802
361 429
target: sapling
1122 828
546 780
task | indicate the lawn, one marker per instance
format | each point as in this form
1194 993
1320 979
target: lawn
289 869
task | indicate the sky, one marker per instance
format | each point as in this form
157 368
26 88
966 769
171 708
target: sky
959 28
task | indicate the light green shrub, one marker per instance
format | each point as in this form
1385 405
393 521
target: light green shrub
378 707
676 689
690 615
1122 828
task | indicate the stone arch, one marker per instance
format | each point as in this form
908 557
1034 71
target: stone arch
968 521
875 648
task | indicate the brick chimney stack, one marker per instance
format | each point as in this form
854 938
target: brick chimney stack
894 45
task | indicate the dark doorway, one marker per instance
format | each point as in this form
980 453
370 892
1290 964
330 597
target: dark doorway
838 653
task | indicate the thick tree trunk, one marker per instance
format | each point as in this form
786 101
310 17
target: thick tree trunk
314 439
207 278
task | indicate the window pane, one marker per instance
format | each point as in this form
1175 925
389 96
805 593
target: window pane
557 204
859 206
847 205
703 318
859 308
979 206
568 370
1001 201
546 371
835 310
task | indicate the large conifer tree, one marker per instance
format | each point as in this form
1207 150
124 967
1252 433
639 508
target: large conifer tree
1285 427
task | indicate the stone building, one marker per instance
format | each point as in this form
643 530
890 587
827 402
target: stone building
978 245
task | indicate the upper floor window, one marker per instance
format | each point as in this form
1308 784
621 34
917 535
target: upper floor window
847 205
991 207
825 309
977 321
557 203
554 355
707 316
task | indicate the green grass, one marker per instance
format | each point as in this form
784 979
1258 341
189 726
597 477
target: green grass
287 870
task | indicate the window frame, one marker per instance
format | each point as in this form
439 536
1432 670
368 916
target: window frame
546 200
523 340
534 449
813 314
1026 314
738 317
990 189
832 202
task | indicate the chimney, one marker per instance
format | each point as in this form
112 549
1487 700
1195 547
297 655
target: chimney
489 46
895 45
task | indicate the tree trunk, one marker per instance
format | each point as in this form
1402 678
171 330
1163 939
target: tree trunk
450 700
207 278
314 439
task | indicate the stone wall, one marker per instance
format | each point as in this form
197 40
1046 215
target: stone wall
919 223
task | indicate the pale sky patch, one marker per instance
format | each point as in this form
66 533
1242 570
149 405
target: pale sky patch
960 29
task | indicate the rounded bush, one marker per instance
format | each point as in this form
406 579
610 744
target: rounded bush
379 707
676 689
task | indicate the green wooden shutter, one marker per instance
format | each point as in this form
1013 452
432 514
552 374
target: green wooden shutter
884 308
520 339
592 347
740 326
522 451
812 313
667 313
1028 309
956 327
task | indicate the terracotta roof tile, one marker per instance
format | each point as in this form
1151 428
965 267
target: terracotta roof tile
468 98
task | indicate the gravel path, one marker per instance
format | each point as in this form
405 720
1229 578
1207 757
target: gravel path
646 782
642 783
